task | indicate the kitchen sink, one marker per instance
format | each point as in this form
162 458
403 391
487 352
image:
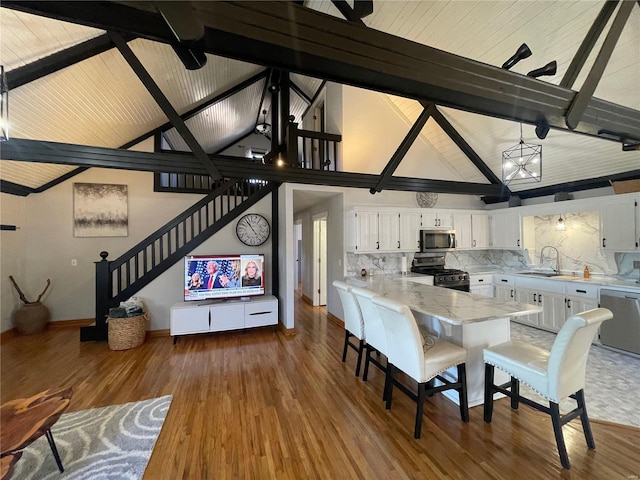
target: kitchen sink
540 274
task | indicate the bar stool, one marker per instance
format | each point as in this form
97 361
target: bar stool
353 323
423 363
554 374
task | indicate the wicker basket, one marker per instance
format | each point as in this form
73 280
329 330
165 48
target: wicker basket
129 332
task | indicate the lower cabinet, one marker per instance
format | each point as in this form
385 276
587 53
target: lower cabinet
188 318
481 284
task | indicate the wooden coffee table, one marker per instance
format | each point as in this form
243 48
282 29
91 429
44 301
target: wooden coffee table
26 419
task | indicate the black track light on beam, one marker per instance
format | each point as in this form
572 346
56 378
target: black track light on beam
522 53
549 69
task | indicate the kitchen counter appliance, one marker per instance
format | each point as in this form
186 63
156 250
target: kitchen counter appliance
442 277
623 330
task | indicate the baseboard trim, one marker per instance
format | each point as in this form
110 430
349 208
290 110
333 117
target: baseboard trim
307 300
165 332
8 335
288 332
332 318
81 322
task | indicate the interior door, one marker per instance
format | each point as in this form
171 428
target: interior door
320 260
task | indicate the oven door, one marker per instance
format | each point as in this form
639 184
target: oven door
437 240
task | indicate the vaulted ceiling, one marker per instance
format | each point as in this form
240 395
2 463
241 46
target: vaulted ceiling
99 101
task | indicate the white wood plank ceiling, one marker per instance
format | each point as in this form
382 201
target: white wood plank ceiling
101 102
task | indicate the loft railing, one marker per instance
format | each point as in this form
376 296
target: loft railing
121 278
312 150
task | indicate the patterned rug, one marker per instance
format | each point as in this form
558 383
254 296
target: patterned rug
101 443
612 380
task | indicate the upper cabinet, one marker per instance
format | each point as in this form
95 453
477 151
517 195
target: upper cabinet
619 226
374 231
472 230
437 220
504 230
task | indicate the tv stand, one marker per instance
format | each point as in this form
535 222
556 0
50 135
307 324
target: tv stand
189 318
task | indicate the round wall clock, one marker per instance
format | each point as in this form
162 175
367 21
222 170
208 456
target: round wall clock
426 199
253 229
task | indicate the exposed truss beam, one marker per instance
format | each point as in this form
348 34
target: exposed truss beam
164 104
287 36
315 97
59 60
575 186
229 167
581 100
199 108
403 148
588 43
300 92
465 147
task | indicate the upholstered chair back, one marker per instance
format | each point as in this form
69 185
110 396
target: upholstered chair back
404 341
568 357
373 328
352 315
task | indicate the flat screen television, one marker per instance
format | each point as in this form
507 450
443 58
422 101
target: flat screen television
210 277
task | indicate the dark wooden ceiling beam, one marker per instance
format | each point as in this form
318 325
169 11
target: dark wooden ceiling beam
164 104
228 166
57 61
588 43
300 92
287 36
403 148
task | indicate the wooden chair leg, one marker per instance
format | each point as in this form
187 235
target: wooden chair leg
346 344
515 393
367 361
488 392
462 392
361 347
584 418
52 444
388 385
419 410
557 430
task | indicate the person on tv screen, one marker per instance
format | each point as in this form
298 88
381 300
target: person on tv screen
251 278
195 283
214 278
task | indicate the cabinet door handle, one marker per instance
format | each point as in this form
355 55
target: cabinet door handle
480 280
539 298
518 242
511 293
474 243
581 291
604 245
503 280
398 243
568 303
534 297
377 245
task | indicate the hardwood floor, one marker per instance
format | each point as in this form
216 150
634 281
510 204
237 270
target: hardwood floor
259 405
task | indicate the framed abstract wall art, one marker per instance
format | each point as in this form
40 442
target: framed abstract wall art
100 210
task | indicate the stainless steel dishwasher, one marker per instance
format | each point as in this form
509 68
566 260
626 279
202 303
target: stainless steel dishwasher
623 330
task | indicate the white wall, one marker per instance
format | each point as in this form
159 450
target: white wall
44 246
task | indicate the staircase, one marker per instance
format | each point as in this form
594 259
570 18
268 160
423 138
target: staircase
119 279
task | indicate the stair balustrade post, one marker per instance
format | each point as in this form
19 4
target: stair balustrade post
292 143
103 290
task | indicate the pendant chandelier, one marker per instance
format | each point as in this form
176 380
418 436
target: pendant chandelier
522 163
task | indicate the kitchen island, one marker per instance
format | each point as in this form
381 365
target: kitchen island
471 321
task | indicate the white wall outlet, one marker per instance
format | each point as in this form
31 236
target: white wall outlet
74 262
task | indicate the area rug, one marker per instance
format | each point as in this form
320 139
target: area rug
112 442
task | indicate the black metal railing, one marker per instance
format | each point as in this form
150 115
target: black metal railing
121 278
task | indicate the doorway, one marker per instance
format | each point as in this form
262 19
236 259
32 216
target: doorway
297 246
320 259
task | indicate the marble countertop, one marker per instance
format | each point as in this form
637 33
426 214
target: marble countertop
450 306
599 280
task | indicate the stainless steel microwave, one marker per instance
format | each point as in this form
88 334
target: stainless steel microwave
437 240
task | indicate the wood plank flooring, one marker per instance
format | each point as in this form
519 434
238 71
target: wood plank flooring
259 405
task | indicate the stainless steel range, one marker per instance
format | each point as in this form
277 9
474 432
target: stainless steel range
429 264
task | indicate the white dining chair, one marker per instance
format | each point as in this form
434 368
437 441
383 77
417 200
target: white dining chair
422 362
555 374
373 330
353 323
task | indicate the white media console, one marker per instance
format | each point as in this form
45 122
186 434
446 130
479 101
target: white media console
191 317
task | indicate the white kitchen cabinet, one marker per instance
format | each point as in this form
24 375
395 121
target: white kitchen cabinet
388 231
553 310
580 298
480 230
618 226
462 226
504 230
193 317
410 224
503 287
363 231
525 295
481 284
437 220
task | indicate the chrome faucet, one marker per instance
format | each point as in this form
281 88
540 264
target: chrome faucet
557 269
